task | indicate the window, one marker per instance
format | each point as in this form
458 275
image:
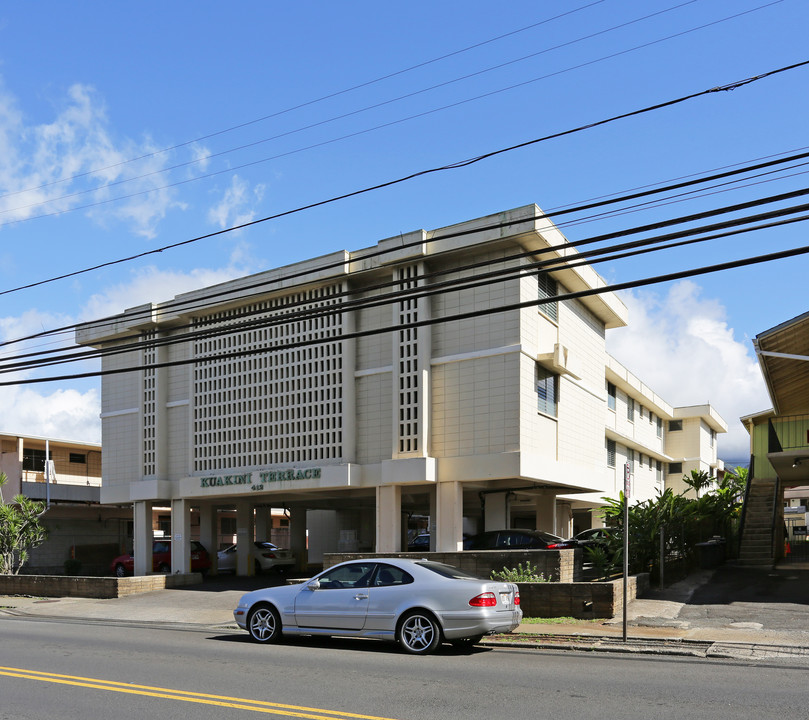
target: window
713 437
640 411
547 391
388 575
34 460
675 468
355 575
660 427
548 289
80 458
640 461
659 472
675 425
630 409
611 394
630 458
611 453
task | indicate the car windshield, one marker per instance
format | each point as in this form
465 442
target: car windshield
447 571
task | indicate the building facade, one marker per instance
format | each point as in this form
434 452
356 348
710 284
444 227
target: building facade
66 476
451 380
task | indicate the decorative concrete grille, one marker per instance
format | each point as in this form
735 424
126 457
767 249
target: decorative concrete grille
408 371
149 406
280 405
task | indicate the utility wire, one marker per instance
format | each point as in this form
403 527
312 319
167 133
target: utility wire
342 137
795 252
261 287
285 314
421 173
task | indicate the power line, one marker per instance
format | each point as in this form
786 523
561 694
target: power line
421 173
795 252
261 286
300 106
285 315
355 133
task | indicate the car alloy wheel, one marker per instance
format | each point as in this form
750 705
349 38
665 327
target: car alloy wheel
264 624
120 570
419 633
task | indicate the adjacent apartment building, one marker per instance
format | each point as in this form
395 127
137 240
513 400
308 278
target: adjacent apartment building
452 380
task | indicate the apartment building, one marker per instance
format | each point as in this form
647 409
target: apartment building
457 376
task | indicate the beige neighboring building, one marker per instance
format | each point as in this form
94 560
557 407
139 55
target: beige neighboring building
364 419
78 525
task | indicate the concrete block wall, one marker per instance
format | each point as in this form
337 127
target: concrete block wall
91 587
557 565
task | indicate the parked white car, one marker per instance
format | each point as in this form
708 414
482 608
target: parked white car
266 556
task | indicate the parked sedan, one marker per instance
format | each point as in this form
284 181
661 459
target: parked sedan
124 564
516 540
593 538
266 556
417 603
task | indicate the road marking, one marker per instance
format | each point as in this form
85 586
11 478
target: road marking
186 696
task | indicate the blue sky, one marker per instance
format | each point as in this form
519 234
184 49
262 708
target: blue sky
85 88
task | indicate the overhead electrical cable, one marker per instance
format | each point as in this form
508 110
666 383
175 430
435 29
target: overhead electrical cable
452 166
307 103
285 315
261 286
323 143
669 277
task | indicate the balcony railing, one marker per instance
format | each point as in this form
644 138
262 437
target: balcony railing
790 432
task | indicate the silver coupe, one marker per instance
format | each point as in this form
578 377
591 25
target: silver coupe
417 603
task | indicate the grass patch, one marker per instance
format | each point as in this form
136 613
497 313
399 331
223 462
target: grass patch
559 620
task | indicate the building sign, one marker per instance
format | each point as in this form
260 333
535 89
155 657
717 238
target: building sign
256 480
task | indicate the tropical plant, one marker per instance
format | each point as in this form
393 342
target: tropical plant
698 480
519 574
20 530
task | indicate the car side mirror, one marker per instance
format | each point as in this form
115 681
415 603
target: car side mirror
314 585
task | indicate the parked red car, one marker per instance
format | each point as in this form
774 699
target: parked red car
124 564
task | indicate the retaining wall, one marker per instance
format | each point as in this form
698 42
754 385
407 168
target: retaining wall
91 587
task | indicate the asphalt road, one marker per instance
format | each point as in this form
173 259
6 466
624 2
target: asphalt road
88 670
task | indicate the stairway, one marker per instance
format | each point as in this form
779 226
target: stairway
757 533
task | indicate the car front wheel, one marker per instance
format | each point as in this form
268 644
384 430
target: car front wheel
419 633
120 570
264 624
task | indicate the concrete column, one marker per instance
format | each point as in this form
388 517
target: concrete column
142 542
433 530
209 533
496 511
263 521
564 520
388 518
449 520
180 536
244 539
546 512
297 538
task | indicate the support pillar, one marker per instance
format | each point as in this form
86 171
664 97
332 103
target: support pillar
496 514
180 536
142 542
244 539
263 523
449 519
297 538
388 518
209 533
546 512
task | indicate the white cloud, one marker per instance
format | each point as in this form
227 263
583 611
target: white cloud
70 162
235 207
681 346
66 412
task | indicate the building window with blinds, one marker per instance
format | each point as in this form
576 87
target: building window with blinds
547 384
548 289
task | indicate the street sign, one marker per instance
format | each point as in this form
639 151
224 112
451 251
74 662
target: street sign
627 480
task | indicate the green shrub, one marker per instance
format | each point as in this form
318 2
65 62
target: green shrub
519 574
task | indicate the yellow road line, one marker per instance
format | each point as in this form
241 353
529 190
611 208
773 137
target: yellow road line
185 696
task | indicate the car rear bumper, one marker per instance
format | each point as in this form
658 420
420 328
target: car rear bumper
462 625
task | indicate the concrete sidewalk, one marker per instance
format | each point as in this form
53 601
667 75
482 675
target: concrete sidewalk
756 612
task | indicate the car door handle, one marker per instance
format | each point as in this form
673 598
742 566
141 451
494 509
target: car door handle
360 596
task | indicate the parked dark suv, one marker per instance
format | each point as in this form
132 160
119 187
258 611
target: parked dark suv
516 540
124 564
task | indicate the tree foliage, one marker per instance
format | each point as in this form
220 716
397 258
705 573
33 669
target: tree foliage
684 522
20 530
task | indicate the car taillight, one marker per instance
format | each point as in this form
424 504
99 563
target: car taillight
268 555
486 599
516 597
